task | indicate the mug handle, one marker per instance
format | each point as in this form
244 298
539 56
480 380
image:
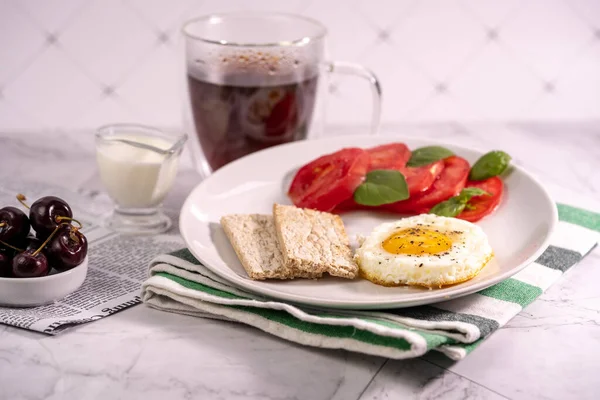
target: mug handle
347 68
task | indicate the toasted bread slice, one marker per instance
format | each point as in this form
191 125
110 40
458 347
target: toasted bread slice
254 240
314 241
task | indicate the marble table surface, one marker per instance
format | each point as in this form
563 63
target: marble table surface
551 350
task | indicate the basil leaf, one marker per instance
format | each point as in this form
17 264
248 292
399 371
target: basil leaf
472 192
449 208
490 164
455 205
381 187
427 155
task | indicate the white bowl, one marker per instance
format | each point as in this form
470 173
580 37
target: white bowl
31 292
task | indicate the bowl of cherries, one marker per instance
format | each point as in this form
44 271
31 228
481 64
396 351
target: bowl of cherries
43 254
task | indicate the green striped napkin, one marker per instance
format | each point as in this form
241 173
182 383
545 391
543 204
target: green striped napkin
179 283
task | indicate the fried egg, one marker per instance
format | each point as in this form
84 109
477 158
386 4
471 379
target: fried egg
423 250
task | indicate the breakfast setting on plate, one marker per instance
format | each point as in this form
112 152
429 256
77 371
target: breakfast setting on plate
298 242
238 212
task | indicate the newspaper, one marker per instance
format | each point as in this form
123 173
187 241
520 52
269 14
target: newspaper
117 264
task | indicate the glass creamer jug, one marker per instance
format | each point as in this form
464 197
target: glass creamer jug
137 166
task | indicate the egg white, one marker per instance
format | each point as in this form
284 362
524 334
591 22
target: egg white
469 253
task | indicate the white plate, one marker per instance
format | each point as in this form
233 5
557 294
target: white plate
518 231
31 292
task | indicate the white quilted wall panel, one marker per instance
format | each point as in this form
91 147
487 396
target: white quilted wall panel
69 64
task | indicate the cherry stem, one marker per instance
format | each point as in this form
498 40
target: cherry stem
60 218
22 199
35 253
72 231
73 235
11 247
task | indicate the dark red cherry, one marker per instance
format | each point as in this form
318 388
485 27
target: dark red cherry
5 264
67 248
14 225
28 264
32 243
8 250
44 212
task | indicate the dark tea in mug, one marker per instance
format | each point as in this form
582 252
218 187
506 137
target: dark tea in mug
252 81
254 102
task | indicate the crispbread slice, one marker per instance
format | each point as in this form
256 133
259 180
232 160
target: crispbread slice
314 241
254 240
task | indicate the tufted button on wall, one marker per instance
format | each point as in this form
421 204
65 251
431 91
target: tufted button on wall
162 37
109 91
51 39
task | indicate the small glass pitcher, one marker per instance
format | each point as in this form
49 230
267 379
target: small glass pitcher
137 166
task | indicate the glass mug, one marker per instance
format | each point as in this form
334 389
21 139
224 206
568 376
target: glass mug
252 82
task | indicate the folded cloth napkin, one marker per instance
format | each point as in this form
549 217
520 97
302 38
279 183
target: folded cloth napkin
179 283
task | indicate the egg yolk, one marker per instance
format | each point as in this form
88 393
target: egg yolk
417 241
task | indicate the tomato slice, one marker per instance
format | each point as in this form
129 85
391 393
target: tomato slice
389 156
483 205
449 183
395 156
328 180
419 179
